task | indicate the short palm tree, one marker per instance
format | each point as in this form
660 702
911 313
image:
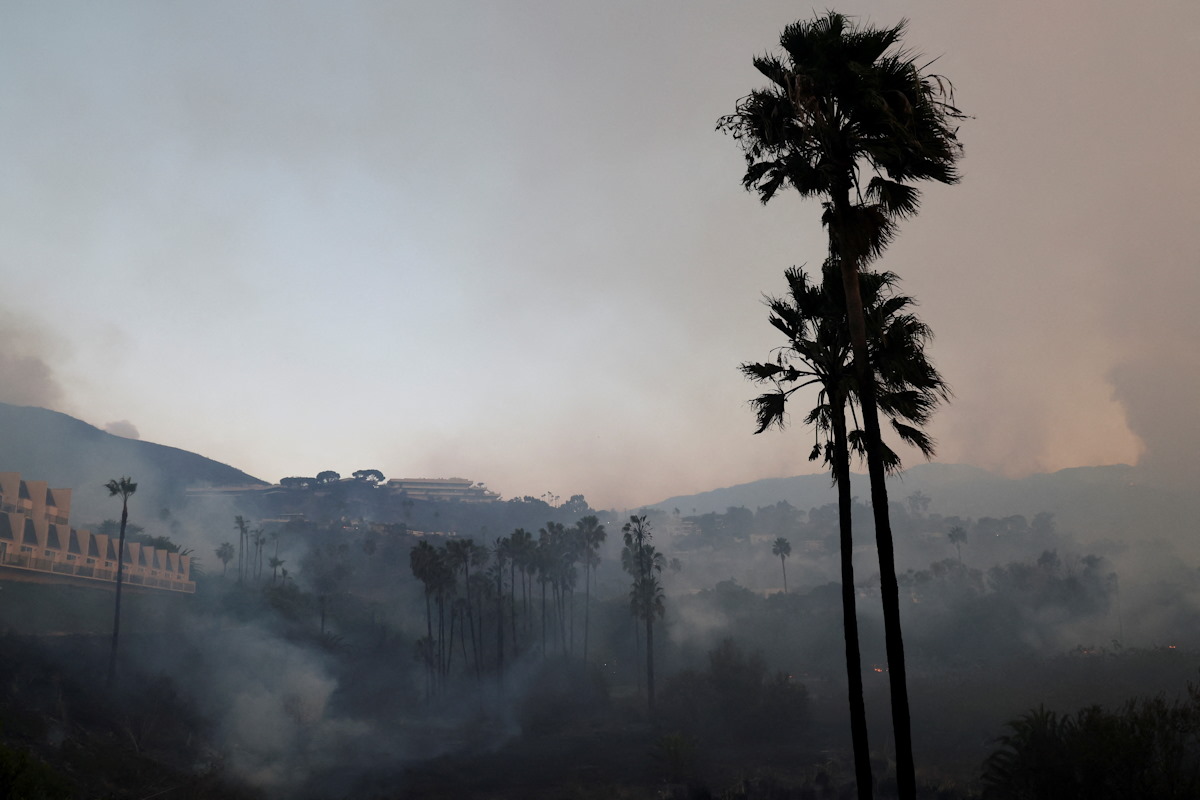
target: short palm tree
852 118
957 536
225 555
782 548
124 488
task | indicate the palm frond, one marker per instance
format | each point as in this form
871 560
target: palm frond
769 409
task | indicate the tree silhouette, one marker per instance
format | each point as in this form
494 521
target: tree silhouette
243 530
258 539
503 552
957 536
847 104
591 535
782 548
124 487
521 547
422 560
225 555
464 554
812 318
645 564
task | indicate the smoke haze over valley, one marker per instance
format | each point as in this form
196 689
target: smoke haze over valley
240 223
262 258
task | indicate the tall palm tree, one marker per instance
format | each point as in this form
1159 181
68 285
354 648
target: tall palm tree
503 552
544 562
520 543
243 530
258 539
782 548
818 353
443 576
464 554
124 487
422 560
847 103
591 535
641 560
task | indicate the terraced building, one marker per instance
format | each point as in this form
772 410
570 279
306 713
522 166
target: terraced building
38 544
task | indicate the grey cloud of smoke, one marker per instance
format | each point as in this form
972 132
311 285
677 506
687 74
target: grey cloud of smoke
27 353
272 699
124 428
578 214
1060 276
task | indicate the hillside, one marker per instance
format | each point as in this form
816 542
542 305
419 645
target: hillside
69 453
1116 501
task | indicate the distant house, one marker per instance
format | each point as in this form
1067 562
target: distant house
38 544
439 489
442 489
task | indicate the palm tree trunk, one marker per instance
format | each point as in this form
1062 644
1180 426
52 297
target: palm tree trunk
525 592
428 615
637 651
462 636
450 649
499 622
543 620
889 589
470 620
587 604
512 587
650 665
783 564
441 639
112 655
854 684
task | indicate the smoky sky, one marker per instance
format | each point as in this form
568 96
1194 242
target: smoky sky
27 354
504 241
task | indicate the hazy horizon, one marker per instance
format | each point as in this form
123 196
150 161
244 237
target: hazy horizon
506 242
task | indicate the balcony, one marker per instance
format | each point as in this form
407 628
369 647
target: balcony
134 576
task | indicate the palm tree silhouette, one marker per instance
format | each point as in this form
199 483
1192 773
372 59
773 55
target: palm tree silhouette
463 554
640 559
125 487
818 353
422 560
591 535
957 535
243 529
847 104
225 555
783 548
521 546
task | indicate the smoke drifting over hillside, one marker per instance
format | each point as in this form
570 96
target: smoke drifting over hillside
526 331
27 353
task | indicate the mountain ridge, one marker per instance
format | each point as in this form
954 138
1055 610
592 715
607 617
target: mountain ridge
46 445
1108 501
